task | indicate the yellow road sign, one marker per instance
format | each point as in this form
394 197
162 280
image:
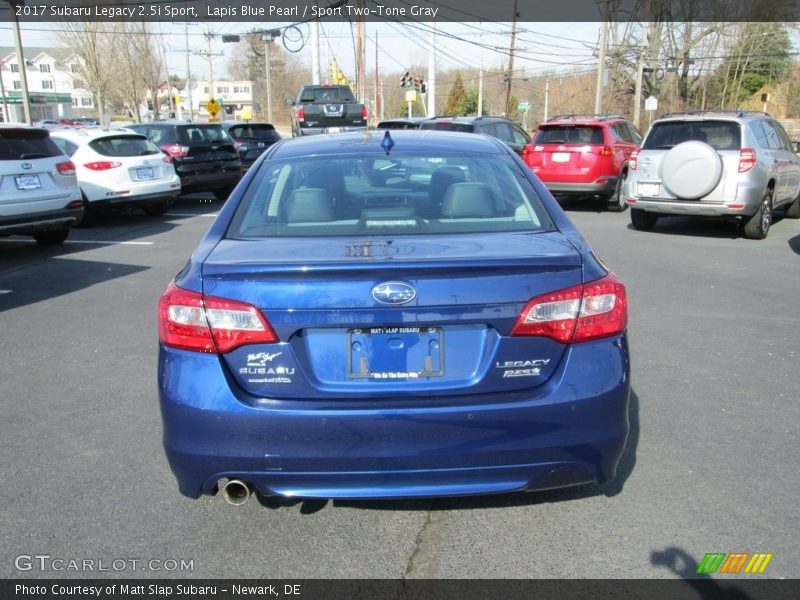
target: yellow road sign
213 107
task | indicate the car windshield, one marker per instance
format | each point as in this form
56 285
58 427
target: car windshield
569 134
26 144
720 135
447 126
199 134
405 194
265 133
123 145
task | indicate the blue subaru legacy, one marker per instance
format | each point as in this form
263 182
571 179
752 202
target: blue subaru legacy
390 315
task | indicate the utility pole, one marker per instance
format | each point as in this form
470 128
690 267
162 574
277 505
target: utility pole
431 87
23 74
361 75
546 97
601 61
511 61
188 74
637 96
480 78
268 37
210 57
315 78
378 99
5 102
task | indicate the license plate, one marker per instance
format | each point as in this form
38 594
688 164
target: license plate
395 353
145 173
333 130
28 182
560 156
648 189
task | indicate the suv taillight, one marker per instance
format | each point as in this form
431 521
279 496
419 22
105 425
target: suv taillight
747 158
632 160
191 321
605 151
66 168
175 150
301 114
577 314
364 112
102 165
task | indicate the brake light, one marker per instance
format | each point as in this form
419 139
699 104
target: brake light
632 160
527 150
364 112
192 321
175 150
605 151
66 168
102 165
167 159
747 158
301 114
577 314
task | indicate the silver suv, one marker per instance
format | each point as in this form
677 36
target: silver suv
736 164
39 193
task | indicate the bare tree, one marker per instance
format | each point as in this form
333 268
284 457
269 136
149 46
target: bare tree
94 48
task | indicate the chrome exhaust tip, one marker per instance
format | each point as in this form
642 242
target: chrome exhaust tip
236 492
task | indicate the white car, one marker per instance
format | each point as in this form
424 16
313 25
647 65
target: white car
119 170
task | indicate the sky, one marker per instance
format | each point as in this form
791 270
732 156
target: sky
540 47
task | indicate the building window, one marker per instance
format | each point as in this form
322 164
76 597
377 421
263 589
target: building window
223 90
44 68
17 85
241 89
86 101
47 84
73 68
75 102
14 67
205 90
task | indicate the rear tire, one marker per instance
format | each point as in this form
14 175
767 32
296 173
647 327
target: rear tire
157 209
51 238
643 220
793 209
223 193
756 227
89 217
616 201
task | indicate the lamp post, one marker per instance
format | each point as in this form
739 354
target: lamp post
268 37
26 102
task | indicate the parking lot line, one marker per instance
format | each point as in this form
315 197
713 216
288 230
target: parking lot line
109 243
6 291
172 214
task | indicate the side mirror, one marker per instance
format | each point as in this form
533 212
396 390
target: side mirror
290 102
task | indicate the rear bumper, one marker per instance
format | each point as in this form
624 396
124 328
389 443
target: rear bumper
568 431
137 201
582 189
201 182
45 221
746 202
321 130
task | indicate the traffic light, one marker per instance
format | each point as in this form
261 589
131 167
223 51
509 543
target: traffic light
405 80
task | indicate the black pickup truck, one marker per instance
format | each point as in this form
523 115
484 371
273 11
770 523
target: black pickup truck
326 109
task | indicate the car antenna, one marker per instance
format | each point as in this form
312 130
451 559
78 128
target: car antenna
387 143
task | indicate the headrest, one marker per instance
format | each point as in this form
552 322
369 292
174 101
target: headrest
468 200
309 205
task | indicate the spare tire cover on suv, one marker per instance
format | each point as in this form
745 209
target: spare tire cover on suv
691 169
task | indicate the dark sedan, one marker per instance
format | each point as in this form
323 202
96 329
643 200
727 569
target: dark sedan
250 139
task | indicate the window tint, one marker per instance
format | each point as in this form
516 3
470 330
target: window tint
720 135
635 135
264 133
123 145
420 194
622 132
569 134
200 134
330 94
447 126
66 147
518 135
24 144
774 141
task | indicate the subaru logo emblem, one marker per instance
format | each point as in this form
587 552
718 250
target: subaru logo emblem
393 292
260 144
27 166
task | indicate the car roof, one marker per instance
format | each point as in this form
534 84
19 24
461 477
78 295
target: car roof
86 135
701 115
583 119
228 124
405 140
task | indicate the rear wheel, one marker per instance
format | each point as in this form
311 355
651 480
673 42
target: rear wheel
154 210
793 209
756 227
89 217
643 220
616 201
223 193
51 238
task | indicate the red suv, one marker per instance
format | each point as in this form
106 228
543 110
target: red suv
579 155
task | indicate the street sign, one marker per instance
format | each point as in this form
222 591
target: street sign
213 107
524 106
651 103
411 96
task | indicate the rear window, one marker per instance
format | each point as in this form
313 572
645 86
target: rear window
720 135
397 125
123 145
27 144
330 94
403 194
448 126
569 134
264 133
199 134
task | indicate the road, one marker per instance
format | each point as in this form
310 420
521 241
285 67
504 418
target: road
711 464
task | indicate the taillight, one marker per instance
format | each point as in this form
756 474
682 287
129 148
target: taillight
577 314
747 158
237 144
191 321
168 159
175 150
102 165
527 149
301 114
66 168
364 112
605 151
632 160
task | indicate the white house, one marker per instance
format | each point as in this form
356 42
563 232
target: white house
233 95
54 85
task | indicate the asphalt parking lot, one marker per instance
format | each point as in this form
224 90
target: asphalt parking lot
711 463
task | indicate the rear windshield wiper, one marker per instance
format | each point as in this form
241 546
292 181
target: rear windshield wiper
31 155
